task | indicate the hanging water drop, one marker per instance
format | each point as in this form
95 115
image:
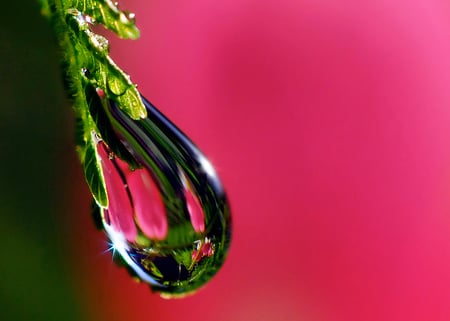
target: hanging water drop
167 215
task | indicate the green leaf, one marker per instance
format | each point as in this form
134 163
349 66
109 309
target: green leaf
92 54
131 103
107 13
94 176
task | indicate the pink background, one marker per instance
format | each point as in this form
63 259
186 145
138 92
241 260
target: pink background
329 123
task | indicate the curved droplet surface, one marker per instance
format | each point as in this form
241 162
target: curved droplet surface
168 217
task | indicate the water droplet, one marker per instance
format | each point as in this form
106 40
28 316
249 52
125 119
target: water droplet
117 85
100 42
85 72
90 20
127 17
168 219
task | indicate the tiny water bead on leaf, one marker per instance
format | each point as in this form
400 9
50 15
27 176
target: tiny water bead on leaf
167 214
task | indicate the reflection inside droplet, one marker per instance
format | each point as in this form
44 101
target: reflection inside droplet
168 218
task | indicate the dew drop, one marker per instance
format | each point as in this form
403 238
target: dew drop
85 72
100 42
89 19
127 17
117 86
168 219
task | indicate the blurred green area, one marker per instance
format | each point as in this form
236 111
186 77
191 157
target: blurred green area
35 283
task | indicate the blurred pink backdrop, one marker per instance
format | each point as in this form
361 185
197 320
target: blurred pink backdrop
329 123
